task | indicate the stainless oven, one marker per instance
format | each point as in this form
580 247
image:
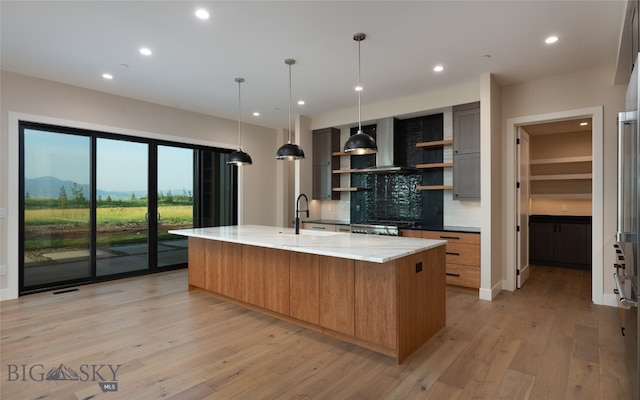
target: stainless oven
384 228
375 229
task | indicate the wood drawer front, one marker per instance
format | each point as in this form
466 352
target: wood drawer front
318 227
463 253
463 275
453 237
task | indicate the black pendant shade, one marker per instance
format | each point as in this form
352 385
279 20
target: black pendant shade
290 151
360 143
239 158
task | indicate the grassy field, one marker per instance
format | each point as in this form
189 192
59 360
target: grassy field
106 216
57 228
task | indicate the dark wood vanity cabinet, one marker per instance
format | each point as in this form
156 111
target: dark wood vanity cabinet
563 241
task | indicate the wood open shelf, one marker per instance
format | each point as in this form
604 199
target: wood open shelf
561 196
436 143
560 177
348 189
339 154
436 187
561 160
435 165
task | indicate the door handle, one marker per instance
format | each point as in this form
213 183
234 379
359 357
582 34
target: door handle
621 291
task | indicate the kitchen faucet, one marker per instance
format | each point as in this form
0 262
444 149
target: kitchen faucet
298 211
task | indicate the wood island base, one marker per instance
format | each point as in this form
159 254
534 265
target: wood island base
391 308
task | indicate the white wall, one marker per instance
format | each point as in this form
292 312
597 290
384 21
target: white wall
578 90
24 95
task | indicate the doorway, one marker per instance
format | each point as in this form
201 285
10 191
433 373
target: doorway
595 114
555 207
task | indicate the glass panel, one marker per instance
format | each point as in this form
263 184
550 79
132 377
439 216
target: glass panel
218 192
175 203
122 206
56 208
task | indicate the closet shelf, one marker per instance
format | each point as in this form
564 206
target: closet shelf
560 177
561 160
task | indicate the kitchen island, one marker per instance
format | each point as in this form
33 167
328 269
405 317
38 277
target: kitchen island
386 294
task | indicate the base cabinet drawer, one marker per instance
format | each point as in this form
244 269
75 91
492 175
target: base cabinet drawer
453 237
318 227
463 253
463 275
462 256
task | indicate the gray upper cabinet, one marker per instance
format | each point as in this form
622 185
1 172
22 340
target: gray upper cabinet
466 128
466 176
466 151
325 143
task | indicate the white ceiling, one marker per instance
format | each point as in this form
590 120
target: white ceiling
194 62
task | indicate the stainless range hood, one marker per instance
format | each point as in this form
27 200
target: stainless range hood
384 156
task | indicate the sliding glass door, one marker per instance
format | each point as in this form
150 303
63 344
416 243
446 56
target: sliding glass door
99 206
175 202
122 206
56 219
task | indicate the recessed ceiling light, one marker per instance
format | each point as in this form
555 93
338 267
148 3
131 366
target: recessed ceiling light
300 102
438 68
145 51
202 13
584 123
551 39
358 88
256 114
107 76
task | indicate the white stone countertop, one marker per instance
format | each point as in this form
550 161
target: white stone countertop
373 248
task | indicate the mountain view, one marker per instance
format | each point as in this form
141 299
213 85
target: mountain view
48 187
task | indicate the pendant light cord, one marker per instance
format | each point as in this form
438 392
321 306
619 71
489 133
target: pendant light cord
239 80
289 102
359 92
360 37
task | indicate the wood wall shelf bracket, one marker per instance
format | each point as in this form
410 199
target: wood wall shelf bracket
436 187
435 165
436 143
349 189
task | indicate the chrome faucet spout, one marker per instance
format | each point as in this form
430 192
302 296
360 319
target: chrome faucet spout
298 211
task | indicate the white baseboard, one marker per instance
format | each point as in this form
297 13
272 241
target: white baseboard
5 295
490 294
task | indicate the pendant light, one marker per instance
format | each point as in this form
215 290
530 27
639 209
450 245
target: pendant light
360 143
239 157
290 151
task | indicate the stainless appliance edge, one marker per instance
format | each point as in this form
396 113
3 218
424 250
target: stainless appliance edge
626 264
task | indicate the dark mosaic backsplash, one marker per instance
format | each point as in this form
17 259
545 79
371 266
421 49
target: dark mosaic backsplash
393 196
389 197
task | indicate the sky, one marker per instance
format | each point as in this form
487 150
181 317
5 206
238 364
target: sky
121 165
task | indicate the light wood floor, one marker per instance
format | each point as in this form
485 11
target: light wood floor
545 341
